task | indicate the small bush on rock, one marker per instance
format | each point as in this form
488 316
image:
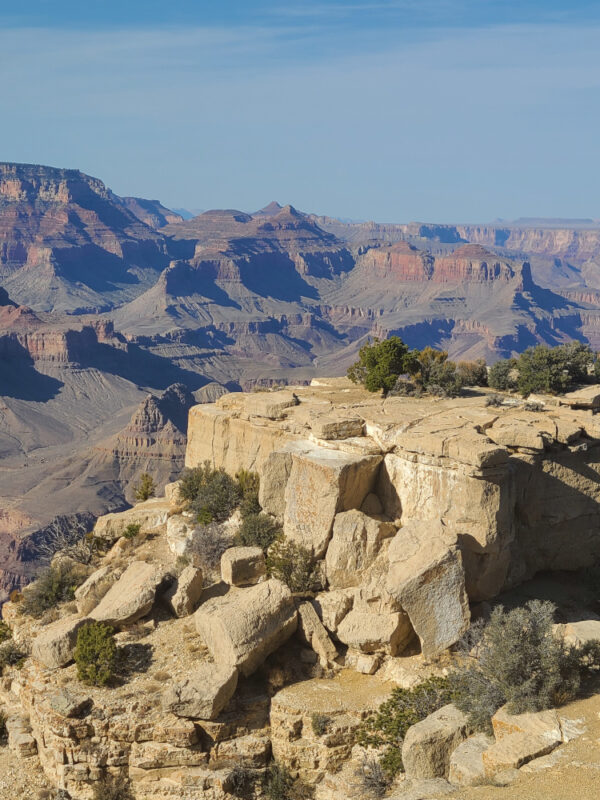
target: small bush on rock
146 487
132 530
213 495
249 484
5 632
258 530
380 363
503 375
208 547
519 661
11 656
241 782
113 788
278 784
387 727
293 564
473 373
95 654
372 778
52 586
319 723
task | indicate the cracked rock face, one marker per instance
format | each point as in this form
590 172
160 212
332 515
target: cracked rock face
204 693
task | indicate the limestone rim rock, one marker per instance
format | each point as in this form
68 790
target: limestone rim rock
54 646
131 597
203 693
429 744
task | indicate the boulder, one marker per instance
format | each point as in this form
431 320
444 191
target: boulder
588 397
68 703
243 566
54 646
172 494
332 607
244 626
534 723
183 596
313 633
89 594
204 693
336 425
180 534
322 483
429 744
131 597
466 762
355 543
271 405
150 514
375 633
250 751
426 576
514 750
581 631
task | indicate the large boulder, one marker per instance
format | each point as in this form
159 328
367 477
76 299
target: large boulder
313 633
54 646
516 749
89 594
244 626
466 762
150 514
131 597
375 633
533 723
426 576
429 744
243 566
204 693
322 483
183 596
355 543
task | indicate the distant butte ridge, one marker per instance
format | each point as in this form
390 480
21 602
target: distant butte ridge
108 302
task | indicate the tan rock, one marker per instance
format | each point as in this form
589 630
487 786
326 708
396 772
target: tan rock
321 484
581 631
91 591
183 596
312 632
375 633
250 751
202 694
429 744
426 576
588 397
354 545
332 607
514 750
131 597
336 426
172 494
243 566
54 646
372 506
159 755
272 405
517 433
538 723
466 762
149 515
246 625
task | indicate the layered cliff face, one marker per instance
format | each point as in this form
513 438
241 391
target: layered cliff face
67 243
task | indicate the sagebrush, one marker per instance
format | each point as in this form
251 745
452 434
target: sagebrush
293 564
95 654
53 585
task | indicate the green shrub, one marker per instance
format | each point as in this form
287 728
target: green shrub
132 530
293 564
319 723
519 661
5 632
503 376
278 784
380 363
208 547
240 782
249 484
11 656
473 373
53 585
95 654
146 487
212 493
372 778
258 530
113 788
444 380
387 727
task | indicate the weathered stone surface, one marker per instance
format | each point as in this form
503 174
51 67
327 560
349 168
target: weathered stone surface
91 591
251 751
274 476
149 514
372 506
373 633
336 425
68 703
204 693
322 483
313 633
246 625
539 723
421 789
355 542
272 405
581 631
172 493
159 755
180 534
429 744
588 397
332 607
516 749
426 576
54 646
131 597
183 596
519 433
466 762
243 566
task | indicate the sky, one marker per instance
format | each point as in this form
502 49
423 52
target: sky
391 110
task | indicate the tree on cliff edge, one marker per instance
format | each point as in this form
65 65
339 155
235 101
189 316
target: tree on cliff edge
380 363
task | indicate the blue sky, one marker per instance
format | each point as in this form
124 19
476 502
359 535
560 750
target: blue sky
440 110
